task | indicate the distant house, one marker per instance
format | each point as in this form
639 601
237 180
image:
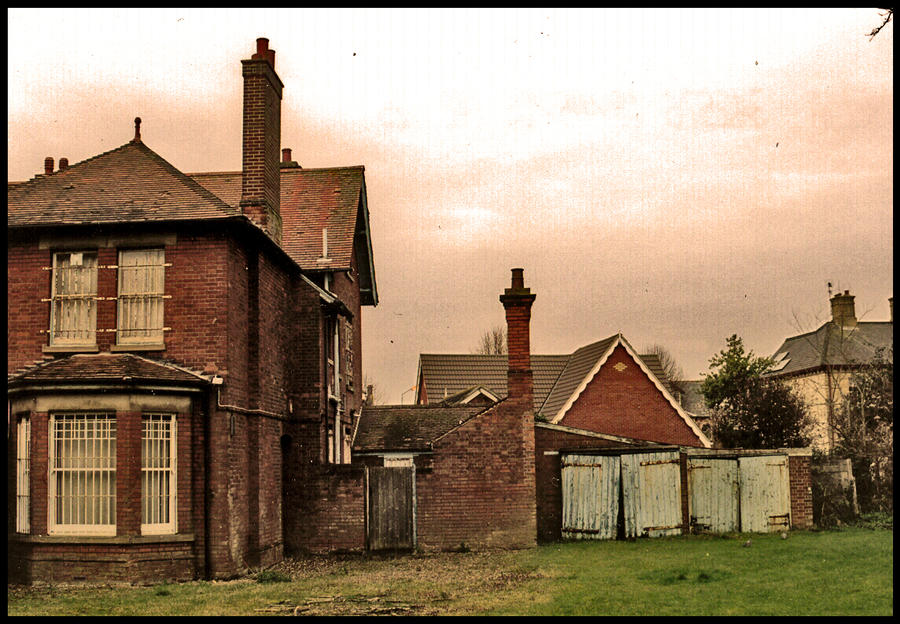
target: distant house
183 356
819 364
604 387
693 402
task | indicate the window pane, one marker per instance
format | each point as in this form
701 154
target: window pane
23 475
83 472
158 473
73 312
141 289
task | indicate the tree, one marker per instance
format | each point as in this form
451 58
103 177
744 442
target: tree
864 431
670 367
493 342
748 410
886 17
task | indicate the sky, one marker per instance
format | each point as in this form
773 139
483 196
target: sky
677 176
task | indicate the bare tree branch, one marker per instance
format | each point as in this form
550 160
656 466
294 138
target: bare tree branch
493 342
887 18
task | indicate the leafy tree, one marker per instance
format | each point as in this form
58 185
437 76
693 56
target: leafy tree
493 342
748 410
864 431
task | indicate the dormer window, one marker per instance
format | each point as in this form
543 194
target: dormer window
73 307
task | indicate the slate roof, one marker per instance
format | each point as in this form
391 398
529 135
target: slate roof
555 377
691 399
831 345
311 199
104 367
131 183
407 427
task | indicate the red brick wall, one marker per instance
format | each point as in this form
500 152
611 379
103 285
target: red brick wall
626 403
801 491
26 315
480 488
327 510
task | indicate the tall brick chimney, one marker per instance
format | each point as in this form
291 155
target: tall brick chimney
517 302
515 425
843 311
261 179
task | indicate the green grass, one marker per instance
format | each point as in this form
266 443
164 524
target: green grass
842 572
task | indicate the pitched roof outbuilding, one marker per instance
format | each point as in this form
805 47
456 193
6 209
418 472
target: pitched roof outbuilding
407 427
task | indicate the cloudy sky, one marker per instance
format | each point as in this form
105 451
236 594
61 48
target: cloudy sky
677 176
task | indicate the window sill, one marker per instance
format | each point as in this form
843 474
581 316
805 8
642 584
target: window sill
70 349
96 539
137 347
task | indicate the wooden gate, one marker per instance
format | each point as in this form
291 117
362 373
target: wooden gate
590 496
651 494
714 487
765 493
390 508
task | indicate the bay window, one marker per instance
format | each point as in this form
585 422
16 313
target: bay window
23 474
158 487
82 488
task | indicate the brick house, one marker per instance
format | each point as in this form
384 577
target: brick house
183 354
604 387
819 365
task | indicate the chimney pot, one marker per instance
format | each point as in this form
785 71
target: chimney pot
137 128
286 154
262 45
48 165
63 164
518 279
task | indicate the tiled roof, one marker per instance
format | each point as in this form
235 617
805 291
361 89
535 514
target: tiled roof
407 427
447 375
104 367
830 345
311 199
555 377
578 366
131 183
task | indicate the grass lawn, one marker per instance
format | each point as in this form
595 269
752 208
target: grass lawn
845 572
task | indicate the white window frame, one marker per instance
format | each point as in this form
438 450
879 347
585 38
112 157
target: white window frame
141 297
23 474
398 460
100 464
153 476
84 303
